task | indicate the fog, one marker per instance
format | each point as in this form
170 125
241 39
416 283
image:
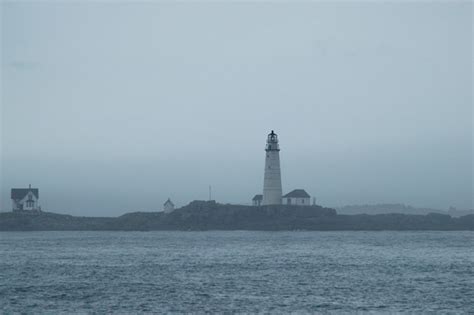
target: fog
110 108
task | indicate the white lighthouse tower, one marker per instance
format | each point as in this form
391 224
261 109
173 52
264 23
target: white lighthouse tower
272 179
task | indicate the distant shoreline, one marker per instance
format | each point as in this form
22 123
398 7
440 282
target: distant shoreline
209 215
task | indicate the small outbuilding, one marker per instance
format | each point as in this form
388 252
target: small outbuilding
257 200
298 197
168 206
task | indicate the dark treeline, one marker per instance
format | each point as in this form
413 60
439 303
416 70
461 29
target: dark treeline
399 208
208 215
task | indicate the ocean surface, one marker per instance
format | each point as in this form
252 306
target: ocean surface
277 272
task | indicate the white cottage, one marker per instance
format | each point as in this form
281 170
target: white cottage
257 200
25 199
168 206
298 197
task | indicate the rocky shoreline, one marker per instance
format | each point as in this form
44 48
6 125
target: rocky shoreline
209 215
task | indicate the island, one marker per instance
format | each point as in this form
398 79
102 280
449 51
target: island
209 215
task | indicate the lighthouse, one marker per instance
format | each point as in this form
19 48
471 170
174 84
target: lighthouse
272 191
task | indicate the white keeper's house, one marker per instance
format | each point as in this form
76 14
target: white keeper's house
298 197
25 199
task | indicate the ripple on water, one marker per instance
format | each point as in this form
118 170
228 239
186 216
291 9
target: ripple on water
130 272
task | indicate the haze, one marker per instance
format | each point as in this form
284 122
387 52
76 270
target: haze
109 108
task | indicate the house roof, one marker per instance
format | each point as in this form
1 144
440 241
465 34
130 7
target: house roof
257 197
20 193
297 193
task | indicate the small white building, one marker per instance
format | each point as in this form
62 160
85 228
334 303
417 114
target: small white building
298 197
168 206
257 200
25 199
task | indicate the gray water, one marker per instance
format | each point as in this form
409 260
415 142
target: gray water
132 272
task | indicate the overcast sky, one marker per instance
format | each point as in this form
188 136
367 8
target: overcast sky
109 108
